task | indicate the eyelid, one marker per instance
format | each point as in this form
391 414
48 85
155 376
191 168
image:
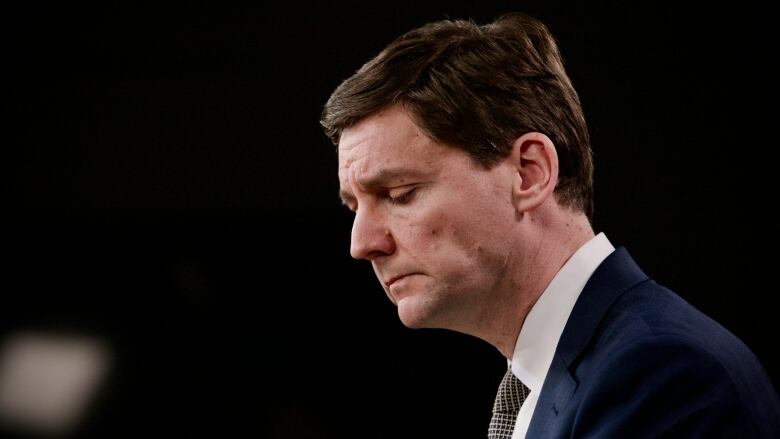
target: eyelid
401 195
399 191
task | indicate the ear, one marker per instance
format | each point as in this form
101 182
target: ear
535 165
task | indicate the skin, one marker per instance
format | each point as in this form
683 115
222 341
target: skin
454 245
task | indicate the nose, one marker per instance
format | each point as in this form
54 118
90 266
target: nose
371 238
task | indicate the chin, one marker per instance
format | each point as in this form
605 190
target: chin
411 323
413 315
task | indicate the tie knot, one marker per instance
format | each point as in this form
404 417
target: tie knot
511 394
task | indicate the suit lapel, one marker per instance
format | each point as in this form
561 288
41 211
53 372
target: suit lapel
613 277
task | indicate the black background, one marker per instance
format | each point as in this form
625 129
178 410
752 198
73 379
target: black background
171 191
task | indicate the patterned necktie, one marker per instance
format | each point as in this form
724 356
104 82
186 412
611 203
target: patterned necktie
511 394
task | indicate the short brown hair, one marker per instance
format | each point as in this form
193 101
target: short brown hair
477 88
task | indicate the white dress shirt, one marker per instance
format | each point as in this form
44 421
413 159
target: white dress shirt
544 324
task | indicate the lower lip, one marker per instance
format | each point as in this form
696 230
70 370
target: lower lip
395 282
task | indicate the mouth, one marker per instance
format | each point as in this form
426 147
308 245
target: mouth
394 279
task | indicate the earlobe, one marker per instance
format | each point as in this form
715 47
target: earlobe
535 163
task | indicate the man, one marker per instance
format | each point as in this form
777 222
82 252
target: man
464 153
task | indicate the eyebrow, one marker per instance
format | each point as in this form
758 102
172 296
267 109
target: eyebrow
379 179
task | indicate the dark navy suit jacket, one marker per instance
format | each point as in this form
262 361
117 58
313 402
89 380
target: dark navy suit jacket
636 360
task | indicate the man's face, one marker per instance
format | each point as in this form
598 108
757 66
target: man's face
435 225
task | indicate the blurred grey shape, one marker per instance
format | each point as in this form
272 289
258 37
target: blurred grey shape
48 380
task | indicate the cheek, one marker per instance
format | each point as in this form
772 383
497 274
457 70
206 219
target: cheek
432 231
446 236
450 229
418 226
478 240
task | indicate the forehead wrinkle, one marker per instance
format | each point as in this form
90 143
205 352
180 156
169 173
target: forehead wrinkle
374 141
383 177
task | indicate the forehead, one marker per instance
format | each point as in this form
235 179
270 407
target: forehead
387 138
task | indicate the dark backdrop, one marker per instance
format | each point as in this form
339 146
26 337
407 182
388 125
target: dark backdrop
171 191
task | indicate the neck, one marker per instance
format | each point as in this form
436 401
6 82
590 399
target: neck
549 239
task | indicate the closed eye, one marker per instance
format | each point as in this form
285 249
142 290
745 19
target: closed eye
400 196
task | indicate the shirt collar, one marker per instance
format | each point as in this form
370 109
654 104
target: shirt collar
544 324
